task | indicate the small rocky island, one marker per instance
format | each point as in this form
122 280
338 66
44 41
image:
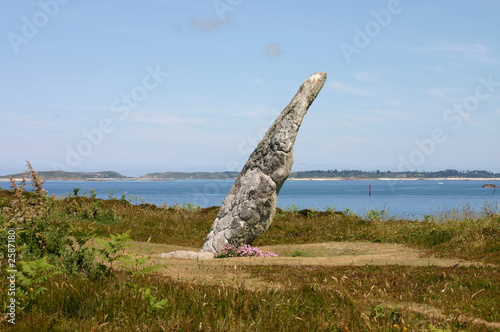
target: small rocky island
490 185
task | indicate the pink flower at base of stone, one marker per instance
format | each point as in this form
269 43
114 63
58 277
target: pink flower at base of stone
243 251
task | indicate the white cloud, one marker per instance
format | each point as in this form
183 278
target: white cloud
392 114
208 24
273 49
168 120
366 77
122 31
257 80
348 123
437 69
361 120
349 89
472 52
446 94
260 112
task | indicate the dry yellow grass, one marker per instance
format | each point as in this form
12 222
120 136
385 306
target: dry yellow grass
228 272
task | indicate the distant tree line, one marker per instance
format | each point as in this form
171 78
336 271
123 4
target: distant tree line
357 174
193 175
62 175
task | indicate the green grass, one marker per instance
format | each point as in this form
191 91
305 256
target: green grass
463 236
311 298
468 291
76 289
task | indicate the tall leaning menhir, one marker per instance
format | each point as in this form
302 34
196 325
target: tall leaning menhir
249 207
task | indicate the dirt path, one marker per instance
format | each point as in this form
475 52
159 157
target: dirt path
227 271
231 272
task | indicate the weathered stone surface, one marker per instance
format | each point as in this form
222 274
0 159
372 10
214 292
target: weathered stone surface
250 205
184 254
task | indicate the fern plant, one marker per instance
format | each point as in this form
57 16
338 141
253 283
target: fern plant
111 248
30 277
293 209
136 266
153 304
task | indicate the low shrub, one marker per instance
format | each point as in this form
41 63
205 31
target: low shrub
243 251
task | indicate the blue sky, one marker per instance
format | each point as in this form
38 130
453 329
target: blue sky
159 85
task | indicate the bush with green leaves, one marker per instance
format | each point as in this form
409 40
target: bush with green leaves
45 231
90 209
53 237
30 279
376 215
300 253
40 229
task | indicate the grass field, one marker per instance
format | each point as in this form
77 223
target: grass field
86 264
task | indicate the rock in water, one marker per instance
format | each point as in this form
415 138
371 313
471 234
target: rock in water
250 205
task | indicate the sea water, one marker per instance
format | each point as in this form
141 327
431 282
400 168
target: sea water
403 199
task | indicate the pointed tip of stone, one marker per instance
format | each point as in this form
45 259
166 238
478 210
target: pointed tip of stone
320 76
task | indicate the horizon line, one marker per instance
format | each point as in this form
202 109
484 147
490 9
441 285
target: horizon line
311 170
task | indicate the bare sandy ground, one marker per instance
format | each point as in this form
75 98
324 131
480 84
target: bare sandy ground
227 271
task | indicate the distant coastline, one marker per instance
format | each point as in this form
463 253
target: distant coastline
138 179
317 175
393 179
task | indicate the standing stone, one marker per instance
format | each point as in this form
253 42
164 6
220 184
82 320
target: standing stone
250 205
